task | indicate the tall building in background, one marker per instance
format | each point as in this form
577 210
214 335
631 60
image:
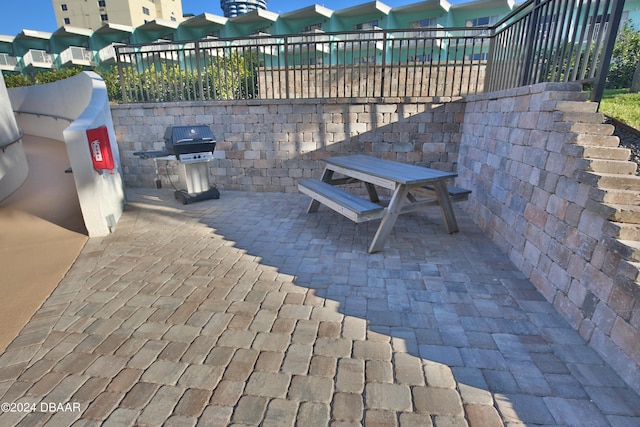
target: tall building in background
96 13
232 8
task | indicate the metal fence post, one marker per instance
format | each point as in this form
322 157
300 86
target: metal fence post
286 65
605 59
121 74
199 68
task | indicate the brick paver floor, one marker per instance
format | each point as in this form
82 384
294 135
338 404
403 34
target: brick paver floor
248 311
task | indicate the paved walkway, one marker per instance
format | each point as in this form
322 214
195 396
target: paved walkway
249 311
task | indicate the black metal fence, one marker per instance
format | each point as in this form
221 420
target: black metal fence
555 41
542 40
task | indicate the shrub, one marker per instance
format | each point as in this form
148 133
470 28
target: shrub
112 81
624 58
41 77
108 73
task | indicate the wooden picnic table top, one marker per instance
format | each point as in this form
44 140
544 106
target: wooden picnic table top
402 173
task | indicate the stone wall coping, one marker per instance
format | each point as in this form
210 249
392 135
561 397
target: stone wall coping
524 90
297 101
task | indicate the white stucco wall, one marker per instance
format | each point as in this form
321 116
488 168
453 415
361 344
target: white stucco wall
13 162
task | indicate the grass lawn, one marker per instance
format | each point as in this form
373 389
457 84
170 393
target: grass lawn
622 105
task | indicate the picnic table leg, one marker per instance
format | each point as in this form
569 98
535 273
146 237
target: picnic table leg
373 194
389 219
444 201
314 205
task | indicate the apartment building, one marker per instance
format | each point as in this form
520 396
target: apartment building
92 44
93 14
231 8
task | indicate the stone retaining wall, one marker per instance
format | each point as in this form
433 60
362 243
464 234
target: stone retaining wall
268 145
542 168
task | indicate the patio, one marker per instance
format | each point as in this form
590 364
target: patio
247 310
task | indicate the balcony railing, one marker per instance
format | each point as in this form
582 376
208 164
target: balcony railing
76 56
542 40
8 62
37 59
107 55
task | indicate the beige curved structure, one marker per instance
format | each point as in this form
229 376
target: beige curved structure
41 234
64 111
49 214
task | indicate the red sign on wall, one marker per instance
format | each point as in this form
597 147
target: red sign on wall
100 148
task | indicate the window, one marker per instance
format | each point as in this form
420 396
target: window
370 59
145 10
261 31
478 56
102 3
426 57
311 60
366 25
312 28
424 23
63 7
104 17
485 21
601 24
67 21
481 22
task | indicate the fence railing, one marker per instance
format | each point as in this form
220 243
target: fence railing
555 41
542 40
8 60
372 63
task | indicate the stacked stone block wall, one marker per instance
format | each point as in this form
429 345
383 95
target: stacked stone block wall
540 163
268 145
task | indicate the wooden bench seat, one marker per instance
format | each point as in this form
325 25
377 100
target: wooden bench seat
456 194
356 208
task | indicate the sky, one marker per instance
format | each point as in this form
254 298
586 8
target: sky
18 15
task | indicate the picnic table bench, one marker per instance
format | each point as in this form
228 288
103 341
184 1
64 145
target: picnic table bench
405 180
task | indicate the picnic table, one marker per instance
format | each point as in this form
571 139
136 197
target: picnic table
407 183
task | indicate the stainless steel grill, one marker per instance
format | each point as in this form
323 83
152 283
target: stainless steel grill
192 147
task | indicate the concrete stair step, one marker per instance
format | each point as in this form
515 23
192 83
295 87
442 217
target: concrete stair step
628 275
622 231
611 180
615 197
593 129
565 96
576 106
616 213
596 140
596 152
628 249
586 115
608 166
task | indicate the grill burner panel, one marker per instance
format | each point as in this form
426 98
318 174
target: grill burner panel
196 157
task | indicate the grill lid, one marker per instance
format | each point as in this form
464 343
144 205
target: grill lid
189 139
178 134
